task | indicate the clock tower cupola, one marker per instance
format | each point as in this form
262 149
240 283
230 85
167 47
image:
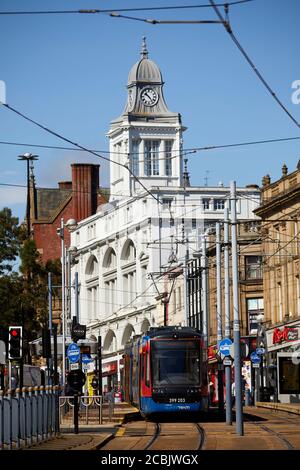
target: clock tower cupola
147 137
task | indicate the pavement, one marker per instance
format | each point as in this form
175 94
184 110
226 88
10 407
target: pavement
91 436
292 408
219 436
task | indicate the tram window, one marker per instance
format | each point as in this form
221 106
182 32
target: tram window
147 369
142 366
175 363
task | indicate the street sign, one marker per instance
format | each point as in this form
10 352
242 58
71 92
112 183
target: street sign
255 358
74 366
73 353
227 361
224 346
78 332
76 379
260 351
256 366
86 358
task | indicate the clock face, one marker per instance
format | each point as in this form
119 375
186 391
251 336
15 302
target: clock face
149 96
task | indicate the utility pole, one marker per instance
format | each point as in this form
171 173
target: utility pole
28 157
49 360
219 316
205 319
236 315
76 297
227 314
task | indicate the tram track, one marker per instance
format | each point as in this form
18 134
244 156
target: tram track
279 435
155 436
202 436
158 436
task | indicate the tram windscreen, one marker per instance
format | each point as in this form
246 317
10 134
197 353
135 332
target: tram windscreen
175 362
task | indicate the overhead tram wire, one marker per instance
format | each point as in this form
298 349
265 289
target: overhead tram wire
96 11
6 105
227 26
184 150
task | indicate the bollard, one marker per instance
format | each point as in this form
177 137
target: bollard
24 390
18 397
9 394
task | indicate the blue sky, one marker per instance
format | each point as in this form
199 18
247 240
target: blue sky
69 72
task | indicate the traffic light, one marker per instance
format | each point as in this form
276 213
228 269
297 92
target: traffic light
15 342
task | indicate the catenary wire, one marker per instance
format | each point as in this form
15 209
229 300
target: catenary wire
251 63
184 150
95 11
19 113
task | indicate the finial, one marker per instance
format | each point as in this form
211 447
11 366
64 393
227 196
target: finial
284 169
144 52
186 178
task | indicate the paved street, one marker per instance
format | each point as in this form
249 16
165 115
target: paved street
264 430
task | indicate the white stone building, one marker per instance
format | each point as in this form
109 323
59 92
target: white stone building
152 213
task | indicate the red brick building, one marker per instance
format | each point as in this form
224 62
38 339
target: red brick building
76 199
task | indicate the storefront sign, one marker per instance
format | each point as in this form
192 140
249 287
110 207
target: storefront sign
286 334
109 368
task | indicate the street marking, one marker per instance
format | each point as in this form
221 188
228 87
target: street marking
120 432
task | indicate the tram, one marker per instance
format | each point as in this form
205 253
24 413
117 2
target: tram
165 371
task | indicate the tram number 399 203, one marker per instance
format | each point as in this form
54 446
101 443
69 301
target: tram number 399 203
176 400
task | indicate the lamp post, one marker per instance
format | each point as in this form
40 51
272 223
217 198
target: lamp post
70 224
28 157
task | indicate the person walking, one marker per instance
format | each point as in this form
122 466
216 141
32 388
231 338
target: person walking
233 394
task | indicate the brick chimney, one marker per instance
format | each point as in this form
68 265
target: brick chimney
85 184
65 184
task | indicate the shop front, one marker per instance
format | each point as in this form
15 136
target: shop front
283 343
109 376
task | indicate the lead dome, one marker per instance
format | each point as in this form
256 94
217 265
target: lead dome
145 70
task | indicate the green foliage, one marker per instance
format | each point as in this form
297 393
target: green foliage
10 236
23 295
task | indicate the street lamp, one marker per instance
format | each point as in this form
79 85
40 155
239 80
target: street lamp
70 225
28 157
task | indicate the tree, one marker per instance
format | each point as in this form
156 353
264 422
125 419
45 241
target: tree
10 238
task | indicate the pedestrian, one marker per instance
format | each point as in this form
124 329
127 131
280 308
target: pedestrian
233 394
211 392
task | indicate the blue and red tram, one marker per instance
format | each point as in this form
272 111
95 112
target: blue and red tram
166 371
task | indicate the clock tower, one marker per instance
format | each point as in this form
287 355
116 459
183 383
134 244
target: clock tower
147 137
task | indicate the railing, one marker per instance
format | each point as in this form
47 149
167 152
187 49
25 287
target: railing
28 416
90 409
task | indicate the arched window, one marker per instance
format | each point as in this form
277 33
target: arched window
128 260
109 260
128 334
110 342
92 267
110 280
145 326
92 283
